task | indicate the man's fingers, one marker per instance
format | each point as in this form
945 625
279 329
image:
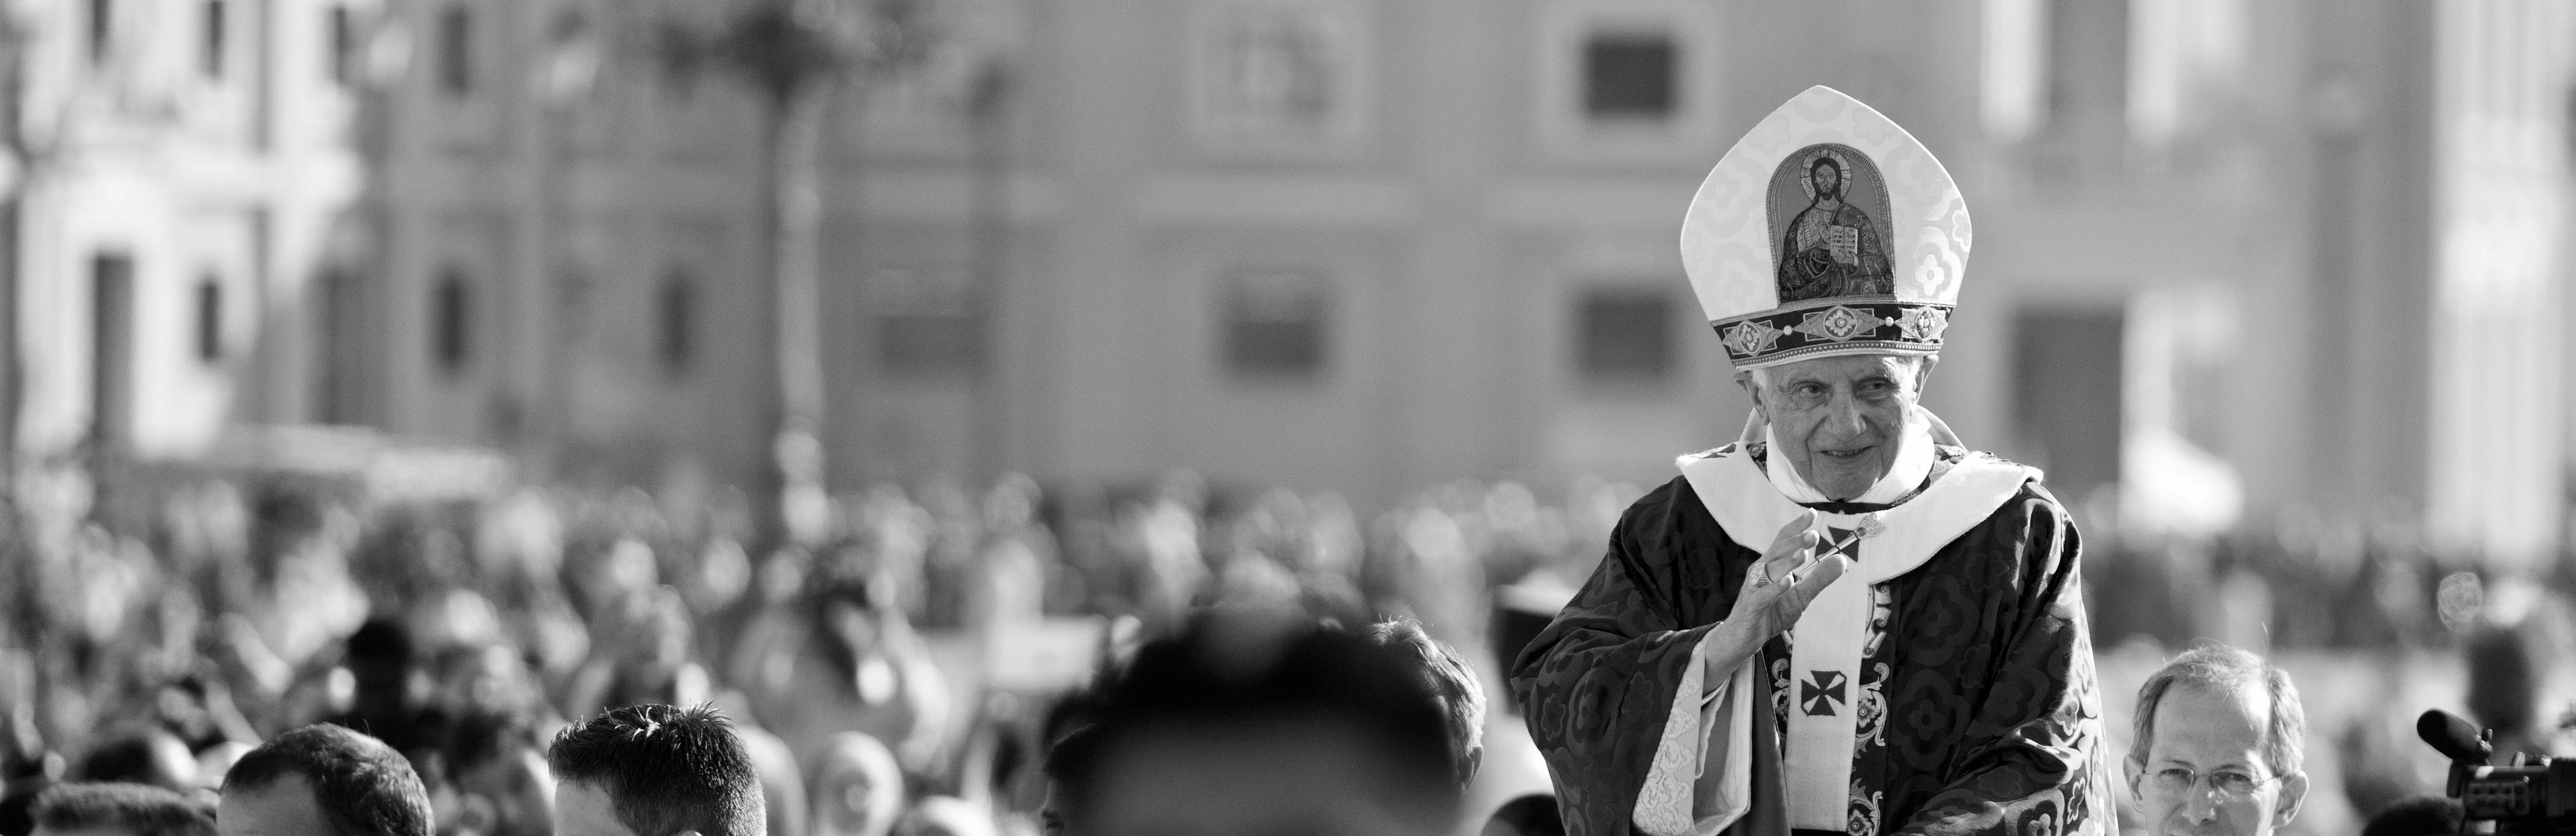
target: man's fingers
1805 520
1820 576
1791 545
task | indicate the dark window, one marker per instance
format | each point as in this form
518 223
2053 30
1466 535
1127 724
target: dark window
452 327
1630 76
928 326
2067 372
678 309
210 319
340 387
456 51
214 38
343 43
111 349
1274 326
102 28
1625 335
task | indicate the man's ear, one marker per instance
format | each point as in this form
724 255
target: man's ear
1468 766
1923 373
2133 771
1744 379
2294 789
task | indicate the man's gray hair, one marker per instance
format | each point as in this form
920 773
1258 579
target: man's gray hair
1762 378
2222 669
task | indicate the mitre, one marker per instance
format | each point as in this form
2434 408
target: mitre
1826 230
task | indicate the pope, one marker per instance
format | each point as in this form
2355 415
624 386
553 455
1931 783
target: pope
1846 621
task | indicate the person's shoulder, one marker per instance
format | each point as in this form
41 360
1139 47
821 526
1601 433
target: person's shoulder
2030 501
1660 501
1672 508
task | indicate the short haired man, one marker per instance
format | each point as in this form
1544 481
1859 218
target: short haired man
323 780
2218 746
655 770
119 810
1236 727
1462 698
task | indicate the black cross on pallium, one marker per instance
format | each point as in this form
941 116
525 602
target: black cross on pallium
1843 541
1821 692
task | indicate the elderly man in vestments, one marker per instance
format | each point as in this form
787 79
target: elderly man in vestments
1846 621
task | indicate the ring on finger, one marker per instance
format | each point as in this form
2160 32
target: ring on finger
1761 575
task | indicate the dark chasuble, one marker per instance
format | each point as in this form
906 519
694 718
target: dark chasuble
1972 708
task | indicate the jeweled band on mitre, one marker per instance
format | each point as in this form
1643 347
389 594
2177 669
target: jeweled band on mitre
1845 325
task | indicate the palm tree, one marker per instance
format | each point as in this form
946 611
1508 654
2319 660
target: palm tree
801 55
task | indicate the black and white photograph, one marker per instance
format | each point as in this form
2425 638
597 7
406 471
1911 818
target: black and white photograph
1287 418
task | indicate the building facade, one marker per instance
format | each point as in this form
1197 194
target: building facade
2237 259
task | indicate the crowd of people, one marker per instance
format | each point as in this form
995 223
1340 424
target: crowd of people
855 662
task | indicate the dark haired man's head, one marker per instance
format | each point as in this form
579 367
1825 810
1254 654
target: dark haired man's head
323 780
2423 815
655 770
1067 757
379 657
1462 698
119 810
1238 727
141 755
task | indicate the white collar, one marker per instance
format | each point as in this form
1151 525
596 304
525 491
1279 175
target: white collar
1914 457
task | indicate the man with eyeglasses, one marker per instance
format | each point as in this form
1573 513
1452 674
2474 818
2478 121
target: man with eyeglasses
2218 746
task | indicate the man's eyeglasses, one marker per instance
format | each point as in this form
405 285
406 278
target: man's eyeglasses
2229 782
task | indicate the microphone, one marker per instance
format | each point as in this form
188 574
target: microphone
2453 737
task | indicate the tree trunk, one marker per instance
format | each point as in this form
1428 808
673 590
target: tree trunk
795 238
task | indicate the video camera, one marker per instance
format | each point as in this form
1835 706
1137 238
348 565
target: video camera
2522 798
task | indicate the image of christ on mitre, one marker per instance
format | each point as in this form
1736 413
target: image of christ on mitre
1832 248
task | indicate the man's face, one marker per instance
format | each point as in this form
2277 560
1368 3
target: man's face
582 810
1266 778
286 807
2201 735
1829 180
1839 419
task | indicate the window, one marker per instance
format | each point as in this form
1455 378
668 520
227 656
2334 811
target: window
1274 325
102 28
342 46
1268 77
1629 80
929 324
111 348
456 51
1630 76
210 319
1625 335
452 325
2068 373
1276 68
214 34
678 308
343 344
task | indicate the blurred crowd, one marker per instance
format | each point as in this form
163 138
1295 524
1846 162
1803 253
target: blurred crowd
886 655
896 660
